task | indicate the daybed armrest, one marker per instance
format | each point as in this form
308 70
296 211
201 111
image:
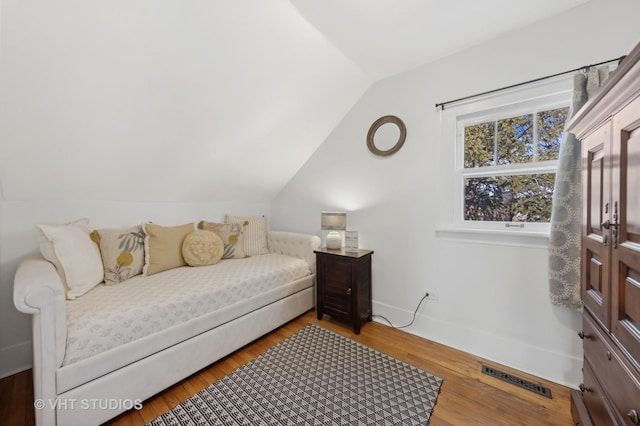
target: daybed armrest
294 244
38 290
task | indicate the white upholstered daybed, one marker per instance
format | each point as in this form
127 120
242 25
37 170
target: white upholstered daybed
118 345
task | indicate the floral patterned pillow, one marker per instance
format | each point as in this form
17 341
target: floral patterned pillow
122 252
232 235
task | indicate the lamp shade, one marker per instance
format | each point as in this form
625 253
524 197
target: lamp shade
333 221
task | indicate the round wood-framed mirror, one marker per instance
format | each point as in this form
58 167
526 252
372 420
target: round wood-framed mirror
371 135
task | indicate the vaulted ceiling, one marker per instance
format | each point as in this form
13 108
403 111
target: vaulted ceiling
385 37
164 100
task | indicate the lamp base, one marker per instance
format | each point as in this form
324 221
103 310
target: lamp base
334 240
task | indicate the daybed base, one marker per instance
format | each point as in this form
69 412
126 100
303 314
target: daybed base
151 375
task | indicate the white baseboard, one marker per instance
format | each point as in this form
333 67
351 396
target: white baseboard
15 358
553 366
556 367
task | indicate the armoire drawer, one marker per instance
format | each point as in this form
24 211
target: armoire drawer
623 387
619 380
593 398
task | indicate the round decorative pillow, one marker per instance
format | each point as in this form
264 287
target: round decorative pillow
201 248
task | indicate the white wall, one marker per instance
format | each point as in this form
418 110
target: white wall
493 299
154 110
187 101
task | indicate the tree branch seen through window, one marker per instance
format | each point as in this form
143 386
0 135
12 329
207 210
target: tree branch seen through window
517 141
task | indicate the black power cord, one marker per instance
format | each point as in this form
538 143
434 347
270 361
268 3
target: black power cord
412 320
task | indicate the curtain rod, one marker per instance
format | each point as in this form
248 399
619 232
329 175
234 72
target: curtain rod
488 92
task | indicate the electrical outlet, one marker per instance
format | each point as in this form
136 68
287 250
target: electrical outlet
433 295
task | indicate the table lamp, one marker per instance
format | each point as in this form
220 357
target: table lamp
333 222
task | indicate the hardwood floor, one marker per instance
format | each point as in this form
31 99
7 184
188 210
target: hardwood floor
467 397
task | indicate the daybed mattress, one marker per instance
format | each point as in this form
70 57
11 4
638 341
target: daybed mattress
114 316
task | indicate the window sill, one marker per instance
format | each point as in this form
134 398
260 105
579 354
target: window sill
513 237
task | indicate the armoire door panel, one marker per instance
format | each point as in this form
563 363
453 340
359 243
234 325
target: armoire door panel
596 180
595 285
626 305
625 255
596 194
631 216
632 298
595 276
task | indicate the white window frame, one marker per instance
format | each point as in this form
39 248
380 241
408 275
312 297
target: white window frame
542 96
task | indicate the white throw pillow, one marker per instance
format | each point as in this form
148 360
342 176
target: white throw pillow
75 256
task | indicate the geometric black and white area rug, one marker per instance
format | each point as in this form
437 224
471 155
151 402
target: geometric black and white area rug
314 377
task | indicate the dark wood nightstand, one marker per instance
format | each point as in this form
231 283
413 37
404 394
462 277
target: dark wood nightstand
344 285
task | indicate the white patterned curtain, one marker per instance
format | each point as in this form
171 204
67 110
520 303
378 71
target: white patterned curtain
564 240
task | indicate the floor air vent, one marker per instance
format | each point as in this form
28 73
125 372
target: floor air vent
510 378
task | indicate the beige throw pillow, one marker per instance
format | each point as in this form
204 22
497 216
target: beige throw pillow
122 252
255 233
75 256
202 248
163 247
232 236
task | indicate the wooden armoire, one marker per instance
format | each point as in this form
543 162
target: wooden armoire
609 128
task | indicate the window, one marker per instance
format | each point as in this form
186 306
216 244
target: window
504 149
509 164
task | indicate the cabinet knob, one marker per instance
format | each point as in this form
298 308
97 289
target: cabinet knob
608 355
583 336
583 388
633 416
349 291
